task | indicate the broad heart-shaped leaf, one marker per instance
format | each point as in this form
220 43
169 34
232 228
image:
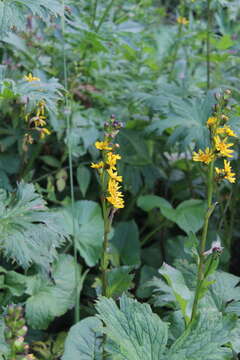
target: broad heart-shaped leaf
204 338
125 243
12 12
88 229
183 295
84 340
119 281
189 215
28 232
53 298
136 333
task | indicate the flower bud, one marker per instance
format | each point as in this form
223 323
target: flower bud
228 92
8 334
217 96
19 344
22 331
21 322
11 309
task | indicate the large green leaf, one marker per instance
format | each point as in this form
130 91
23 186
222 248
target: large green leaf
183 295
12 12
49 299
189 215
84 341
125 243
204 338
88 229
188 118
28 232
136 333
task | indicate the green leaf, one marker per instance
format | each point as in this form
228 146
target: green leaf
84 341
83 178
189 215
224 291
119 281
51 161
136 333
126 242
88 229
183 295
204 338
12 13
28 232
52 298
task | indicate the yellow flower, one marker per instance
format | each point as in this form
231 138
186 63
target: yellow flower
39 120
205 157
211 121
226 173
99 165
226 130
102 145
112 160
115 196
182 20
114 176
31 78
43 132
223 147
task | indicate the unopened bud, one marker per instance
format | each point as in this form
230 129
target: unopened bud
11 309
217 96
113 117
225 118
19 344
22 331
228 92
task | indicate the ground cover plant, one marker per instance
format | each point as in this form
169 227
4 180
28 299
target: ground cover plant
119 180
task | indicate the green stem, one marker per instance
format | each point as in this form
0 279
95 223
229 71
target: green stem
208 42
105 14
70 163
200 275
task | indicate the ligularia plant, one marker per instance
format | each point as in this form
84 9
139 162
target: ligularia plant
111 196
220 149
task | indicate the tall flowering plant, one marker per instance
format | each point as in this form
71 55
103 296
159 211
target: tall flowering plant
110 183
220 149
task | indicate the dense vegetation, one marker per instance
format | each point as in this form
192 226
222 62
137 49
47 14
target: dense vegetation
119 180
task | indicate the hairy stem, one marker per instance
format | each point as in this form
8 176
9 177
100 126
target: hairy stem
200 274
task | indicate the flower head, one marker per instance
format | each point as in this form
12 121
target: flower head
182 20
99 165
31 78
223 147
206 156
114 175
102 145
226 173
226 131
212 120
115 196
112 160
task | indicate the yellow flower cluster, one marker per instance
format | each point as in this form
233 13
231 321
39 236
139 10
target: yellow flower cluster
108 166
220 146
37 122
182 20
31 78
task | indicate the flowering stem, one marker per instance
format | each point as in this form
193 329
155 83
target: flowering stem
208 42
200 275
